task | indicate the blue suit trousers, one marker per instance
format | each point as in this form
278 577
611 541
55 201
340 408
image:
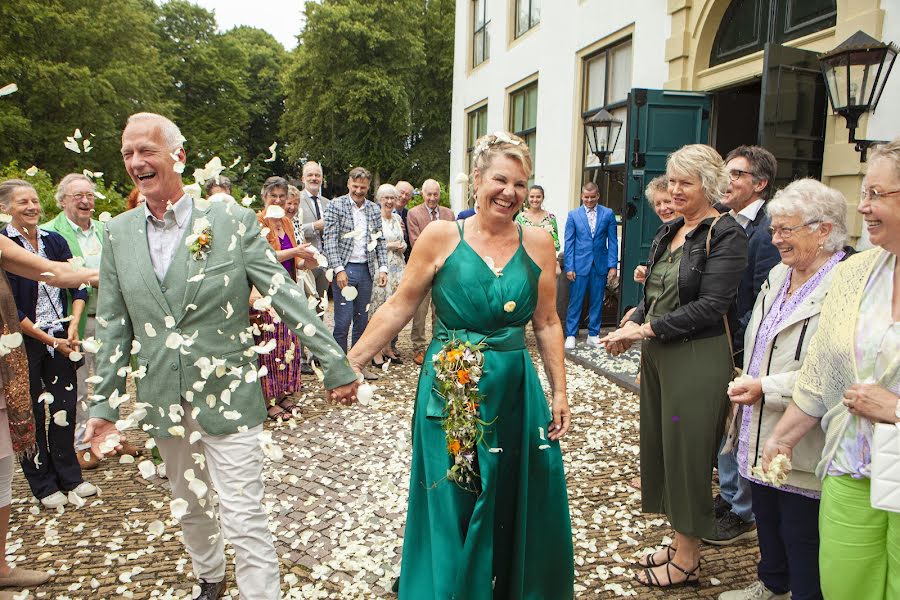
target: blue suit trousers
595 284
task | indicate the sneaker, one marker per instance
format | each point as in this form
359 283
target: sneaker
721 506
730 529
370 375
85 489
54 500
593 341
756 591
570 343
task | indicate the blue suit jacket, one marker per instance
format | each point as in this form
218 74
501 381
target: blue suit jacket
583 251
25 291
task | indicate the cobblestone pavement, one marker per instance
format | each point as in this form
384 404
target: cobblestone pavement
337 502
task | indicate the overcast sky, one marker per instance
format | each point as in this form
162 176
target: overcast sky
281 18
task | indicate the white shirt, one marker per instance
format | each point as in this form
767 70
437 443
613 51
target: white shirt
748 215
164 235
359 254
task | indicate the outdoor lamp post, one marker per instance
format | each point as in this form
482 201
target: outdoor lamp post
855 74
602 131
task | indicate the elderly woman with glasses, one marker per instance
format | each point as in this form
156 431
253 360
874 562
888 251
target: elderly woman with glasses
392 229
850 385
695 265
809 228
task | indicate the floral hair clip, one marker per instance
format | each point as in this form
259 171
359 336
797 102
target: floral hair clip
496 139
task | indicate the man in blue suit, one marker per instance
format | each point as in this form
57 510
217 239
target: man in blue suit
591 257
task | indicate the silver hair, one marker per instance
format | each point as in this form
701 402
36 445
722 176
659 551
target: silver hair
889 152
68 180
658 184
812 200
386 188
170 132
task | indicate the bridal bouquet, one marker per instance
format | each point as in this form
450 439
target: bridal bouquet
458 367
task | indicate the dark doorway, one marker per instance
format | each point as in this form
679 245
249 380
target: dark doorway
736 117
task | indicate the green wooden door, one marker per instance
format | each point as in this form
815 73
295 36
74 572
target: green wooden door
659 122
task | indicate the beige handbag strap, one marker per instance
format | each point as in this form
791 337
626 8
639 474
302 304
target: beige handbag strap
725 316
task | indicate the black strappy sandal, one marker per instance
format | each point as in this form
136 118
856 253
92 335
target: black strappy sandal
653 580
646 562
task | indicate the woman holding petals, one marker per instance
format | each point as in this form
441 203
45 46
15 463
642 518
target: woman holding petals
809 228
283 359
394 242
488 512
695 264
17 427
849 385
51 343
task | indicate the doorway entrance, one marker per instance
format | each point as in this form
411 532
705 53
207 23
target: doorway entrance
735 120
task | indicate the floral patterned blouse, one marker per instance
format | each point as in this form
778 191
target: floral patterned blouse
877 344
548 224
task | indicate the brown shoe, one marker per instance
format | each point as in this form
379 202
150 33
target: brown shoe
24 578
129 449
88 460
420 357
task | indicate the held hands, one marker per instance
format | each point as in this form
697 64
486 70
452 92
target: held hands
345 394
621 339
96 432
562 418
872 402
747 392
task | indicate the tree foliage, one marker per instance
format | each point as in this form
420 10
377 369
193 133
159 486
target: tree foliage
369 84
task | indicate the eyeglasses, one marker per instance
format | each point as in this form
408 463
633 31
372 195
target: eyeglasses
82 196
874 195
787 233
736 174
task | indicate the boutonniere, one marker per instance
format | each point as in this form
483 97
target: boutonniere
200 240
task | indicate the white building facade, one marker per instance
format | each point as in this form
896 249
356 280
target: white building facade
538 67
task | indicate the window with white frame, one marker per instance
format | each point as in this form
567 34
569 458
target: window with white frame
480 38
528 14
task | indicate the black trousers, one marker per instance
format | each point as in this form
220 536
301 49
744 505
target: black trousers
788 530
55 467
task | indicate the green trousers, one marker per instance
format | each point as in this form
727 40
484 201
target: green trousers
859 547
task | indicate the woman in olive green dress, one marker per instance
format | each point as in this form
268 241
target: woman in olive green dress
508 536
686 362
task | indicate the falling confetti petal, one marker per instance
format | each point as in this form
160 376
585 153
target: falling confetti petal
349 293
9 88
31 171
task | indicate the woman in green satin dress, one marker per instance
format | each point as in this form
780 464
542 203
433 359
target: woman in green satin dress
489 278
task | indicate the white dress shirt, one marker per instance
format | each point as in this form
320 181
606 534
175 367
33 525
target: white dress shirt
748 214
164 235
359 253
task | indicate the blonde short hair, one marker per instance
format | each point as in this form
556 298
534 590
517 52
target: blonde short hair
703 162
658 184
814 202
889 152
502 143
293 191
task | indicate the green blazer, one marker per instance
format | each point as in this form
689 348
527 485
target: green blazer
60 224
204 303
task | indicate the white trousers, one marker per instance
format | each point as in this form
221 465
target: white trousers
81 406
233 469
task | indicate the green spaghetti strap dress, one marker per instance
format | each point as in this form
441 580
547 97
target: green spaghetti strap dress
514 539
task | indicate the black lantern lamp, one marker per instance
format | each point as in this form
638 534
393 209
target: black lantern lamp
855 74
602 131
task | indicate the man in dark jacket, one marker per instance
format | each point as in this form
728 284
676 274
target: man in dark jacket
752 172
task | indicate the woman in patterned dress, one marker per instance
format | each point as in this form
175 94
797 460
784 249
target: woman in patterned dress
392 229
283 362
536 216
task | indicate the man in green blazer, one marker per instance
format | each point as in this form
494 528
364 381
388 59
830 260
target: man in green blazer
176 276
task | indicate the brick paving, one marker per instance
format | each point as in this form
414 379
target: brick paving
337 502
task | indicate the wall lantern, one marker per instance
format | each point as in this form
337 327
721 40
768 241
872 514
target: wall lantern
855 74
602 131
